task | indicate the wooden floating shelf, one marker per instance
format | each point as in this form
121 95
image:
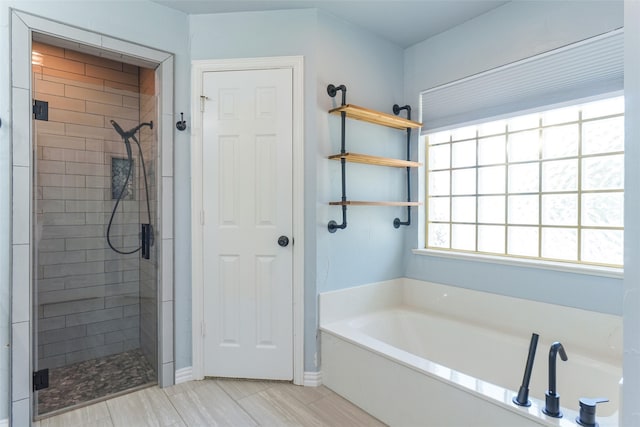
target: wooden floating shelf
376 117
375 160
360 203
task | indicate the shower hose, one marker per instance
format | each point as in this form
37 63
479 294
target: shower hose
125 137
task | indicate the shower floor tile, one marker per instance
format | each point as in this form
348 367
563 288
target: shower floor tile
94 379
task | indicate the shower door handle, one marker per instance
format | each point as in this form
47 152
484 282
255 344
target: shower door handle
283 241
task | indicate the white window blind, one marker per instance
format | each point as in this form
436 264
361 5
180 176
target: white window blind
588 68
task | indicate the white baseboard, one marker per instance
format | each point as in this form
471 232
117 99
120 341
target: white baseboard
312 379
182 375
4 423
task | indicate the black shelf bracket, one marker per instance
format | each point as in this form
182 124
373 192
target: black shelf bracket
332 90
396 110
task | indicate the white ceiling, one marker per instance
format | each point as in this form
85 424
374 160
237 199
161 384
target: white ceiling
403 22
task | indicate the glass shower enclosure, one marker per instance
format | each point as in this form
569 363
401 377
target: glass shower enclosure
94 185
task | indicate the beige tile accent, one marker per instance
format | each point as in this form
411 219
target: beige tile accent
84 243
66 117
121 88
147 82
91 132
131 102
111 75
98 182
60 180
44 86
93 95
65 218
85 169
110 111
60 141
52 128
79 156
59 76
131 69
50 206
94 145
61 102
57 63
45 166
46 49
84 206
94 60
66 193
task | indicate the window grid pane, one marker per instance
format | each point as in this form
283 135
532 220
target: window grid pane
546 186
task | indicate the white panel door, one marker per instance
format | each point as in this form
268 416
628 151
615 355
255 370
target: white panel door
247 204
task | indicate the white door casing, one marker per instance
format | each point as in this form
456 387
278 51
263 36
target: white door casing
247 136
252 319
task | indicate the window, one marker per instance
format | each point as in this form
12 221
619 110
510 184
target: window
547 186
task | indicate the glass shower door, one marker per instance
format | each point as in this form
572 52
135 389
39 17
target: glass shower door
93 331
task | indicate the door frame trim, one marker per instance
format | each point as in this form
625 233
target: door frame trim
22 26
199 67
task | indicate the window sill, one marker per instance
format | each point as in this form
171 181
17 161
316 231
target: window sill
592 270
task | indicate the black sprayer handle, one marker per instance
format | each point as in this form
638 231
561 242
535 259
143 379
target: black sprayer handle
522 399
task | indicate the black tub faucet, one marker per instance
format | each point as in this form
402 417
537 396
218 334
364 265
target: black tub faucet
552 398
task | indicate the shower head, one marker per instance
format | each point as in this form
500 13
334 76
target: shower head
130 133
118 129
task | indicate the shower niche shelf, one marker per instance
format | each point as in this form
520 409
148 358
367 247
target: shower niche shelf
382 119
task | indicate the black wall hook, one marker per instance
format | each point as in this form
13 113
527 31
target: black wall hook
181 125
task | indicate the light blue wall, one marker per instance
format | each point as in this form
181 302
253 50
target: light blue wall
506 34
334 52
369 249
263 34
140 22
631 307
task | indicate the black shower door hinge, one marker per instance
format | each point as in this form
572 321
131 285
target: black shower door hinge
40 379
40 110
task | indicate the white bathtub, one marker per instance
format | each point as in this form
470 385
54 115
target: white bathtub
414 353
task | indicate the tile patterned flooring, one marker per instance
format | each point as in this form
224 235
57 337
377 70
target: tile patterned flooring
219 402
93 379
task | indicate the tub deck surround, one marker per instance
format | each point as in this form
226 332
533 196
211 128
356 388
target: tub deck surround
452 356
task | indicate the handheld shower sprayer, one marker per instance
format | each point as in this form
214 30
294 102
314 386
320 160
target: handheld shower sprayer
522 399
131 133
146 233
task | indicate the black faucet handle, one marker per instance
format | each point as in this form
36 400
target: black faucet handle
587 417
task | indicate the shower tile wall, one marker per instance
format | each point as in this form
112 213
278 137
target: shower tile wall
88 296
148 270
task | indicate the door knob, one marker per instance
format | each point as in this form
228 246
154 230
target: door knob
283 241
